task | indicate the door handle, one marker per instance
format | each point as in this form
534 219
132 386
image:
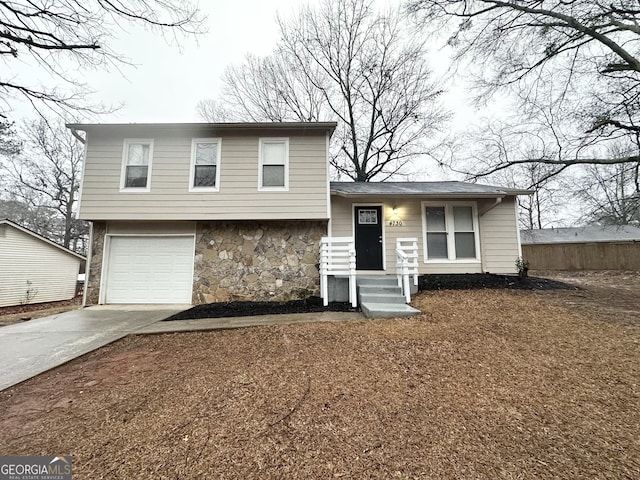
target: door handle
380 239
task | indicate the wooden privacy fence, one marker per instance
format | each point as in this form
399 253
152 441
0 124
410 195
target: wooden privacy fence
583 256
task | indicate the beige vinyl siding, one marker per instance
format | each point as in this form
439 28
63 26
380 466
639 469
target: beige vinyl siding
24 258
499 236
497 231
238 197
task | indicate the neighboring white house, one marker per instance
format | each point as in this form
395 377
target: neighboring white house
34 269
210 212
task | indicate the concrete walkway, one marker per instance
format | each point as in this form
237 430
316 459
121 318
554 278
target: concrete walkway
240 322
30 348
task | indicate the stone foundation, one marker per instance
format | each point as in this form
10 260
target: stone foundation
92 295
251 260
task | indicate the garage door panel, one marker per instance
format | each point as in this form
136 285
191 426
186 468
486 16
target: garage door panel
150 270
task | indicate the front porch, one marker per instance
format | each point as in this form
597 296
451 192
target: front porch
379 295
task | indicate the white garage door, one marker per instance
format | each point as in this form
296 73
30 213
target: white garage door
150 270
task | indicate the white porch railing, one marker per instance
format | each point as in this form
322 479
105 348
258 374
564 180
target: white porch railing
338 257
406 264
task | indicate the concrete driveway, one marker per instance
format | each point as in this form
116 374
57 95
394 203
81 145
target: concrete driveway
35 346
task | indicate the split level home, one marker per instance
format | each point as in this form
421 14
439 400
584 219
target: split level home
209 212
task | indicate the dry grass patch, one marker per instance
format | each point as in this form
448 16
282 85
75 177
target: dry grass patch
485 384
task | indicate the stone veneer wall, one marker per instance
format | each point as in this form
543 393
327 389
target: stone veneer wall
95 264
257 260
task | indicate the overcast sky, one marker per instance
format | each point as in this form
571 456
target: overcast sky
168 80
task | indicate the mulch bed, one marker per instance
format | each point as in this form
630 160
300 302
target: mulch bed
475 281
314 304
247 309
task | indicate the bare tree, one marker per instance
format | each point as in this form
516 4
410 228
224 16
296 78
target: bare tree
610 194
212 110
540 209
346 61
576 59
271 89
496 143
57 38
47 175
10 144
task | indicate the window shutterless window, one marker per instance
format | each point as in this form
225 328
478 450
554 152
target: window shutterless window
436 233
274 164
205 164
464 232
136 165
451 232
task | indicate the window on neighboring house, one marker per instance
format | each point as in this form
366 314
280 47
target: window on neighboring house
136 169
274 164
205 164
450 232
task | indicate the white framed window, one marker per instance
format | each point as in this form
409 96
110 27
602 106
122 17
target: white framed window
204 175
273 173
137 159
450 232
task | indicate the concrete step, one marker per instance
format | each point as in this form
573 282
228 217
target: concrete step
379 281
370 289
387 310
381 298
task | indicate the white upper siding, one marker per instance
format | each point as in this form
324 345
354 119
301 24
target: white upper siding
238 197
28 263
497 232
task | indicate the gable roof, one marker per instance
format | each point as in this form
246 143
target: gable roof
40 237
589 234
423 189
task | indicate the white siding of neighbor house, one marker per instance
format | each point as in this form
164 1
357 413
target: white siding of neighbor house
23 258
497 232
238 197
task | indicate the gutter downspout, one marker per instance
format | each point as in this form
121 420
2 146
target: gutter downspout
490 207
75 133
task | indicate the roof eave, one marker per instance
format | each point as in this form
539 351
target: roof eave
230 126
6 221
423 195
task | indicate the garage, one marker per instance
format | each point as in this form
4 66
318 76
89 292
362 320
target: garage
149 269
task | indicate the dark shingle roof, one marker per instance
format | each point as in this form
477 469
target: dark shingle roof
423 189
590 234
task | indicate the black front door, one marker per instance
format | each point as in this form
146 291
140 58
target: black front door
368 229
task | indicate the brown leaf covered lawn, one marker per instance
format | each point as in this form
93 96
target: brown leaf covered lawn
484 384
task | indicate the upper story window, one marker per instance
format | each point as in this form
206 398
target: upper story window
205 164
451 232
274 164
136 165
